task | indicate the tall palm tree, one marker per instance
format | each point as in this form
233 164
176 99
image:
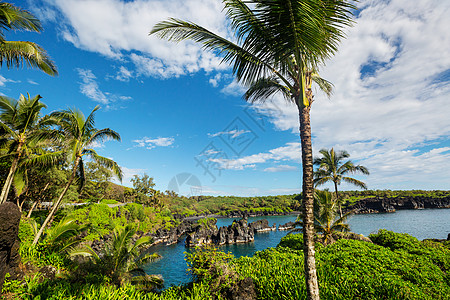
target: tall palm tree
18 53
331 168
79 135
24 131
278 47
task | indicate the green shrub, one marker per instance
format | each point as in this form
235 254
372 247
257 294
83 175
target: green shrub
293 241
109 201
211 266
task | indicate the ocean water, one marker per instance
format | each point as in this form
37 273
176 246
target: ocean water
422 224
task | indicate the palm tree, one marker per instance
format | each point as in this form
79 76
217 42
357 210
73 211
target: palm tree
326 219
79 135
331 168
279 46
122 260
24 132
18 53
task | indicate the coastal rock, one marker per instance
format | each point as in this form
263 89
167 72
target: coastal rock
384 204
172 236
9 242
287 226
238 232
202 234
206 233
261 226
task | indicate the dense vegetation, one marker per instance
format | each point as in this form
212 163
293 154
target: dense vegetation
44 157
394 266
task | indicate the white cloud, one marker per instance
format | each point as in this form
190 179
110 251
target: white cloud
290 152
214 81
280 168
233 89
124 74
234 133
90 88
121 31
152 143
386 116
4 80
32 82
128 174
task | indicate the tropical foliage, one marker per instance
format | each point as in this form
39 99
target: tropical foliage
26 138
331 168
121 258
79 135
18 53
278 48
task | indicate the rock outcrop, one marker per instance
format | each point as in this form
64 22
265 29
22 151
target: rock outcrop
203 233
287 226
262 226
384 205
9 242
172 236
236 233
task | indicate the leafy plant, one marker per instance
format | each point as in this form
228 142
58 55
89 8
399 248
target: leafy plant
121 259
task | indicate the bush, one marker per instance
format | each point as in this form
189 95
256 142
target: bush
293 241
211 266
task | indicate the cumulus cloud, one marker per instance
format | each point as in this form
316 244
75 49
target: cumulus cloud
289 152
150 143
121 31
390 103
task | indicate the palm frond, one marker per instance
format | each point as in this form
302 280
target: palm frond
12 17
354 181
324 85
102 135
105 162
85 251
90 121
44 161
264 88
19 53
20 181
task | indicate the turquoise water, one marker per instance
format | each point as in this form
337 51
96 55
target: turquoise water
427 223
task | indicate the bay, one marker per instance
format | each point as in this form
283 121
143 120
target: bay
422 224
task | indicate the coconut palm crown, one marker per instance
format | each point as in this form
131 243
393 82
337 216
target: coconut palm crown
277 47
18 53
25 135
331 168
79 136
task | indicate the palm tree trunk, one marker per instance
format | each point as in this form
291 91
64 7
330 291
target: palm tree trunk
312 284
35 203
337 199
9 180
57 203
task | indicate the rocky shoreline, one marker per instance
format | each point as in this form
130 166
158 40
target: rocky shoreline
387 205
239 232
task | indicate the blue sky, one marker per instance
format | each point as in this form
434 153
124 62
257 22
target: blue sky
178 109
